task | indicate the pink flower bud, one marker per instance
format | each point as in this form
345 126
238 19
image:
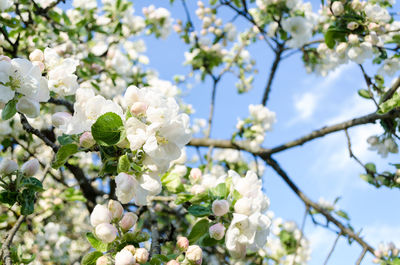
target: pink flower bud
29 107
124 257
195 175
182 243
60 118
217 231
130 248
103 260
172 262
36 55
106 232
86 140
29 168
128 221
8 166
220 207
352 25
141 255
100 215
40 65
194 254
138 108
116 209
5 58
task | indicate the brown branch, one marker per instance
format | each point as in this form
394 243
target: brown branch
370 118
391 91
63 102
344 230
274 67
155 247
361 257
5 249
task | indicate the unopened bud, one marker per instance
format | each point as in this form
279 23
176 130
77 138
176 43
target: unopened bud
130 248
138 108
337 8
243 206
353 39
352 25
36 55
106 232
128 221
141 255
103 260
182 243
60 118
8 166
100 215
124 257
116 209
29 107
194 254
29 168
5 58
86 140
220 207
172 262
195 175
341 48
217 231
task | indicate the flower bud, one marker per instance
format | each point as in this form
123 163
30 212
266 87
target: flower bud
29 107
36 55
373 140
352 25
60 118
378 253
217 231
141 255
182 243
29 168
220 207
103 260
116 209
106 232
124 257
128 221
172 262
353 39
341 48
243 206
39 64
138 108
8 166
100 215
337 8
5 58
130 248
86 140
195 175
194 254
197 189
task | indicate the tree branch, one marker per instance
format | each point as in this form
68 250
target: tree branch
274 67
5 250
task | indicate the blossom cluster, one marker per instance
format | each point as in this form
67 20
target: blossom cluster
383 145
254 127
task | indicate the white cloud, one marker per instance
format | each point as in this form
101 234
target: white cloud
378 233
305 105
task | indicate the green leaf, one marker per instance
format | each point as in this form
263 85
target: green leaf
172 182
220 190
343 214
8 197
123 164
199 211
96 243
65 139
72 194
207 241
371 167
107 130
9 110
364 93
198 230
63 155
26 199
390 104
32 184
90 258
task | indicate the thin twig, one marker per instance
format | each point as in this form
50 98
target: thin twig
272 73
361 257
5 250
333 248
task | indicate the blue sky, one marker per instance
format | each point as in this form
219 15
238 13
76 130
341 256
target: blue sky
303 102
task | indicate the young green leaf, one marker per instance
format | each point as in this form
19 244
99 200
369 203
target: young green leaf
107 130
